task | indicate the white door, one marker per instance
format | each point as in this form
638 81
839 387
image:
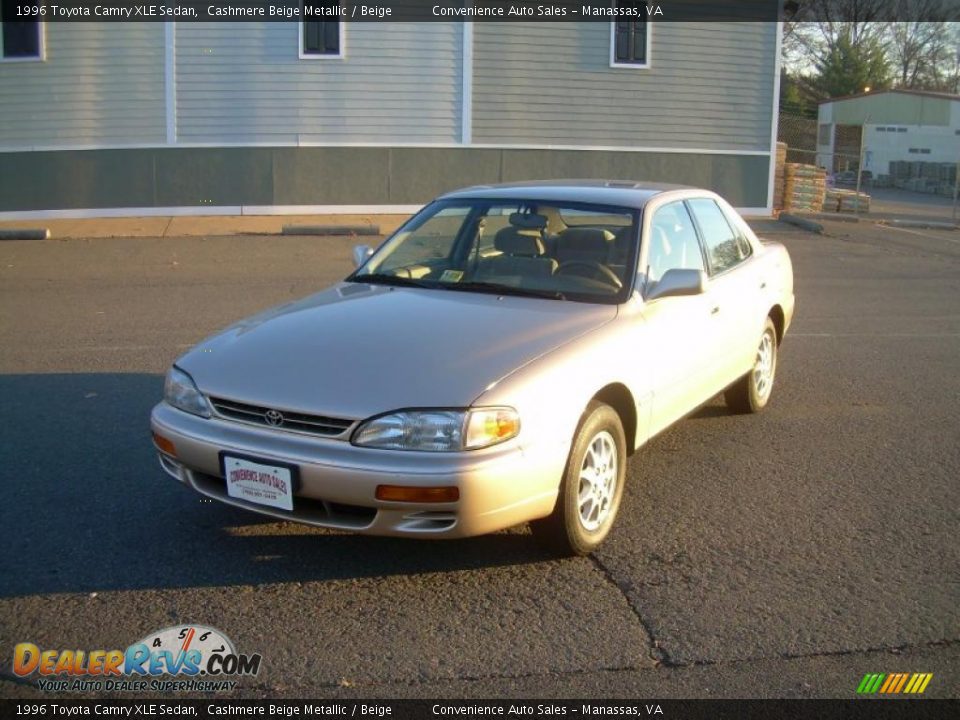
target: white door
679 330
734 293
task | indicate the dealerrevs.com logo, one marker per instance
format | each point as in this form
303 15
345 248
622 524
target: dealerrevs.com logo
200 658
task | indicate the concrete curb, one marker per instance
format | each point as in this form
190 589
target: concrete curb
837 217
921 224
24 233
330 230
800 222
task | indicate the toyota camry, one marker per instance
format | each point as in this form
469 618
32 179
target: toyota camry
496 361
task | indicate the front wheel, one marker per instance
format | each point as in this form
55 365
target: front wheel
751 393
591 488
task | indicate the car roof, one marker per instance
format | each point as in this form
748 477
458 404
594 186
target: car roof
624 193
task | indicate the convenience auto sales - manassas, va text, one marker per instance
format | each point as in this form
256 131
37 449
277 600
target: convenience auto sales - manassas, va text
605 11
544 709
331 11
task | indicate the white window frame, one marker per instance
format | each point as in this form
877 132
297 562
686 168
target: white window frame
613 46
321 56
42 29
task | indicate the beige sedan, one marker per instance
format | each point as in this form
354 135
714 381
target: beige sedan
496 361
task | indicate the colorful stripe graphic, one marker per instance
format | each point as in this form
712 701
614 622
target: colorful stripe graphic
894 683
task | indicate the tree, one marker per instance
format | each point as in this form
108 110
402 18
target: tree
796 97
851 65
819 25
923 50
833 47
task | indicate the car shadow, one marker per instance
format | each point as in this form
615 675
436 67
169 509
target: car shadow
713 409
87 507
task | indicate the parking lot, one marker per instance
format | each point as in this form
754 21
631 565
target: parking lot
785 554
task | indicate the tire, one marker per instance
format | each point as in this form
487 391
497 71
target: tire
751 393
573 529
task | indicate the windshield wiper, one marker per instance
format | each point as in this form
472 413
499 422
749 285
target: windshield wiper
498 289
387 279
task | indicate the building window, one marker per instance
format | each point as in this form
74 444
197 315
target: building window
321 38
19 39
823 134
630 36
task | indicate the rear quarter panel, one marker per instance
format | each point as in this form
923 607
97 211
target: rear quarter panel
778 269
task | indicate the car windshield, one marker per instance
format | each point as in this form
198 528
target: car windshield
558 250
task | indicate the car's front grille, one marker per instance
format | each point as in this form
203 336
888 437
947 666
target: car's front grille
280 419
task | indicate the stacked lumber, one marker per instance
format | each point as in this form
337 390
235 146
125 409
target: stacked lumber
779 176
846 201
804 187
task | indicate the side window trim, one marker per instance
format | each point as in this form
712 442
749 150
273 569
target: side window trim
737 225
704 255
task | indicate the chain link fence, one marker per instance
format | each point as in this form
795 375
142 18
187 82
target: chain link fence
849 165
801 135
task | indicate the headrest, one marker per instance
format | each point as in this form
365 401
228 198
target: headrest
586 240
512 241
528 221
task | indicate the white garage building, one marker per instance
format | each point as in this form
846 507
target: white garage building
903 127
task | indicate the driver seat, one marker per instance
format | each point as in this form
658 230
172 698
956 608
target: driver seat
584 245
522 253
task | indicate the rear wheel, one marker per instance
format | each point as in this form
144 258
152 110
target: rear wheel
591 488
751 393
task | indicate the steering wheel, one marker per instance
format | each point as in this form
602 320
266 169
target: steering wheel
595 269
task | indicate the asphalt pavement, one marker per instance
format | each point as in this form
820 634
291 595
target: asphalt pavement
779 555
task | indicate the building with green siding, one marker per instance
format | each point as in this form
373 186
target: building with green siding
318 117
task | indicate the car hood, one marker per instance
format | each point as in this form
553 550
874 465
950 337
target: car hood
356 350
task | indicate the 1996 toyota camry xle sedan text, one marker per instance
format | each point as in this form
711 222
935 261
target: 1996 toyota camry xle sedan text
494 362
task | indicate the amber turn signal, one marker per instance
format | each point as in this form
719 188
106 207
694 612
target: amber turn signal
164 445
402 493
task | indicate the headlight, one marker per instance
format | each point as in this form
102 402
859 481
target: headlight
439 430
180 391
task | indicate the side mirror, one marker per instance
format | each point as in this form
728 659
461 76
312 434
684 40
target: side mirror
360 254
677 282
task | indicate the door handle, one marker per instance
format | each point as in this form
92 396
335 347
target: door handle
763 284
715 310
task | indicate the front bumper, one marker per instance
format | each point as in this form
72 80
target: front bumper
499 487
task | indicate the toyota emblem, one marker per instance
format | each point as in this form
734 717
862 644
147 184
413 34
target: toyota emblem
274 418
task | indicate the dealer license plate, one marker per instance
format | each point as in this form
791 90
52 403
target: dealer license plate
259 483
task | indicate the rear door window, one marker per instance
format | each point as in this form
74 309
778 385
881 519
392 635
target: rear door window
724 245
